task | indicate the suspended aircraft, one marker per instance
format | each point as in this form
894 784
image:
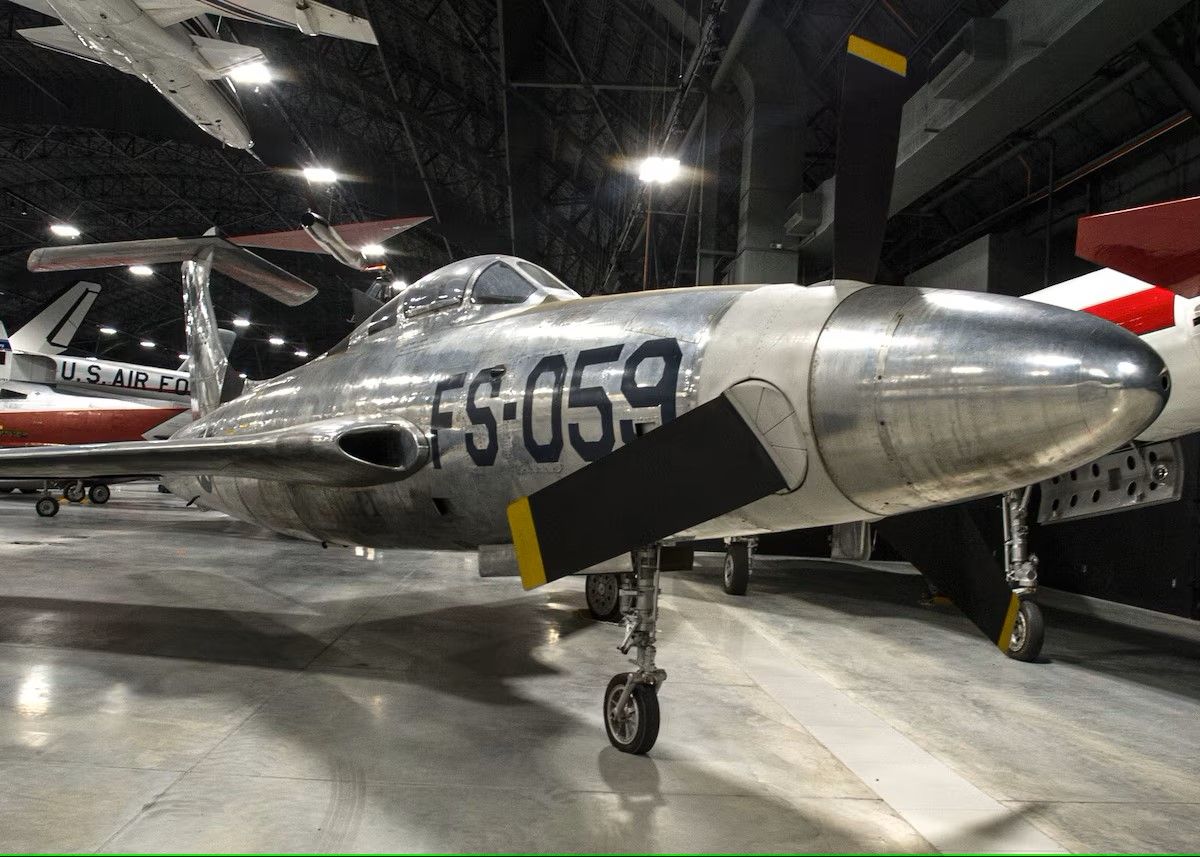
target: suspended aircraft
489 403
147 39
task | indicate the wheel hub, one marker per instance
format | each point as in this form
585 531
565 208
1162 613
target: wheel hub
602 591
1019 632
623 723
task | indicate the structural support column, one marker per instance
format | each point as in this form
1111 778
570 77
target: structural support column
769 81
715 121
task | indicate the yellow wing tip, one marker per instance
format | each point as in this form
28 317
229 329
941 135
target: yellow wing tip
883 57
1010 620
525 543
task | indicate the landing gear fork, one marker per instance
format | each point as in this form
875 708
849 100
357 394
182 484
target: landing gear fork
1021 573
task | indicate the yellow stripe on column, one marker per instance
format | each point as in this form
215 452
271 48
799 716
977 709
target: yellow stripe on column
525 544
879 55
1010 619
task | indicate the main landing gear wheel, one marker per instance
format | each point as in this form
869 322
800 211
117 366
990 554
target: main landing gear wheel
99 494
1028 634
75 492
603 593
736 579
47 507
633 726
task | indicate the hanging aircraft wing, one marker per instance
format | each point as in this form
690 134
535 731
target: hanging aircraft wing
341 453
231 260
60 39
167 13
310 17
356 235
712 460
1158 244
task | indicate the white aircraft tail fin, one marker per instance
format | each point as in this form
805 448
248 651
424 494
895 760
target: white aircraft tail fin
307 16
223 57
51 330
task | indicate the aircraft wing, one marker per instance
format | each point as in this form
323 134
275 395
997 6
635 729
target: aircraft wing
231 260
311 18
59 39
166 13
355 234
338 453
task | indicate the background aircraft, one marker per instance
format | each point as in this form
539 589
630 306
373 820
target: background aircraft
146 38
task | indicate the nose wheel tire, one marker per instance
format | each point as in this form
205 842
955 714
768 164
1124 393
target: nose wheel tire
47 507
75 492
1028 634
603 594
634 727
736 578
99 494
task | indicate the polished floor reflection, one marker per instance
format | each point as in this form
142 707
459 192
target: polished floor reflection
171 680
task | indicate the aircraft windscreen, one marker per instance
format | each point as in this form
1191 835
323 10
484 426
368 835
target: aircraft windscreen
545 279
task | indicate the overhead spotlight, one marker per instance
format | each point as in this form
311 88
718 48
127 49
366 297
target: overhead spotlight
242 375
64 230
147 343
276 340
397 285
241 322
141 270
658 170
373 250
320 175
251 72
301 354
182 356
108 331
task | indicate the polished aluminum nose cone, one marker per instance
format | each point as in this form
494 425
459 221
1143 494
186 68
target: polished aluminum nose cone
921 397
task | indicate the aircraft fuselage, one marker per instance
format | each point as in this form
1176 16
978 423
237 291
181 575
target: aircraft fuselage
890 399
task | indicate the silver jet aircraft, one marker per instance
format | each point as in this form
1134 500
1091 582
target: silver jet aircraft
490 404
146 38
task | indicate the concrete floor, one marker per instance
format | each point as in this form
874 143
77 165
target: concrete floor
172 680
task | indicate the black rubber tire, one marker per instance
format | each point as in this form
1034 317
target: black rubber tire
1029 633
99 494
603 594
735 579
643 703
46 507
75 492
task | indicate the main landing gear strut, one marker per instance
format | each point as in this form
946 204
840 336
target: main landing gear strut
1020 570
631 700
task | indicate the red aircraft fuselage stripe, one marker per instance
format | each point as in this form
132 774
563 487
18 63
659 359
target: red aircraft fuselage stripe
1141 312
91 425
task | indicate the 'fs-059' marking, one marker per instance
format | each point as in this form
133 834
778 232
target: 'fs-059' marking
545 439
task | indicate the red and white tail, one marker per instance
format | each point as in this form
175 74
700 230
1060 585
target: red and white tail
1158 244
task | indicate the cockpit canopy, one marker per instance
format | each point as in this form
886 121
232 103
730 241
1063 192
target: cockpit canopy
477 287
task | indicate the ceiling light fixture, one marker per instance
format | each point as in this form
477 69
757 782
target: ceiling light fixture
659 170
241 322
64 230
276 340
320 175
141 270
147 343
108 331
252 72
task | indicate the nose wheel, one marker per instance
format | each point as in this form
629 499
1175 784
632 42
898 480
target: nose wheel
631 714
46 507
1028 634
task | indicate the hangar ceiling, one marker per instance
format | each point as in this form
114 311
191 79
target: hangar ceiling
515 122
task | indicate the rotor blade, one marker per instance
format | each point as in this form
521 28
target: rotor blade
946 546
704 464
231 260
1155 243
873 93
